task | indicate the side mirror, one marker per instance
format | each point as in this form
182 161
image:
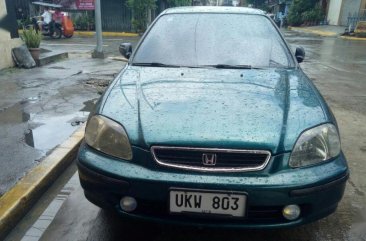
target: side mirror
126 50
300 54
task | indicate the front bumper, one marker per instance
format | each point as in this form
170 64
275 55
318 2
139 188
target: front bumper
317 190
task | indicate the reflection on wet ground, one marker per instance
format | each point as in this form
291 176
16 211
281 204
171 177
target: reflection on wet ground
26 137
39 131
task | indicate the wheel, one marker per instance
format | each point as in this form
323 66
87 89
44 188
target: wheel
56 34
68 35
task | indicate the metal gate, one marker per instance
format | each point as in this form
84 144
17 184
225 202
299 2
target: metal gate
353 20
116 16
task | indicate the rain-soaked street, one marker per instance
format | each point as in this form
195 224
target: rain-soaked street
338 69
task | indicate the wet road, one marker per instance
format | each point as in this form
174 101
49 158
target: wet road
338 68
41 107
87 44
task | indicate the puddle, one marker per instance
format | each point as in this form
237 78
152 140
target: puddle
27 137
52 131
41 131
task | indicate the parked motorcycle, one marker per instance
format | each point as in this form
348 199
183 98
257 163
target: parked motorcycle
55 29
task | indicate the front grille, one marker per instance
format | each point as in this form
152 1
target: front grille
211 159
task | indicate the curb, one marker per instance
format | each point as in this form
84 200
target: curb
313 31
49 57
353 38
105 34
15 203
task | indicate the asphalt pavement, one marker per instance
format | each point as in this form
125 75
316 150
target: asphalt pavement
338 69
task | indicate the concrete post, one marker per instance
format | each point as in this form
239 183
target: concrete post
98 51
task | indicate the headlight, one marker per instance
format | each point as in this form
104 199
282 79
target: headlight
316 145
108 136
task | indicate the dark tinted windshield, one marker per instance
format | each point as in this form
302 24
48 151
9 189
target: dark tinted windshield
207 39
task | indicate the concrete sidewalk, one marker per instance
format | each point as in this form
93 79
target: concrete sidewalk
322 30
326 31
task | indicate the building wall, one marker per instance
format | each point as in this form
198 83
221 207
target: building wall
363 7
334 11
349 8
6 42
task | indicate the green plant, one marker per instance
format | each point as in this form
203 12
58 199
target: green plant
31 38
23 22
313 16
83 21
361 35
300 11
140 10
179 3
138 25
319 14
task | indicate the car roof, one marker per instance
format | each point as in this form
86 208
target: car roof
214 9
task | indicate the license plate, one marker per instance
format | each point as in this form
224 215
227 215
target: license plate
205 202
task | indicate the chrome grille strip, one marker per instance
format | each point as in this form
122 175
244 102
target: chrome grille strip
211 150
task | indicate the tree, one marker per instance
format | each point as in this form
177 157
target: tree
300 10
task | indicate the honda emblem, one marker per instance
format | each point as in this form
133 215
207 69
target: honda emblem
209 159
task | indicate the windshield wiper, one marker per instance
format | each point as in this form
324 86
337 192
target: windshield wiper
229 66
156 64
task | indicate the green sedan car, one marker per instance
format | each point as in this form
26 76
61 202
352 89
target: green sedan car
212 122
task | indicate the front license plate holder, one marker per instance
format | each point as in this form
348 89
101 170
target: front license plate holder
207 202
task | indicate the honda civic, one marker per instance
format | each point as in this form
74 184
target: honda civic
212 122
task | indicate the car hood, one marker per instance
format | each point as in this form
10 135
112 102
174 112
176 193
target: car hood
242 109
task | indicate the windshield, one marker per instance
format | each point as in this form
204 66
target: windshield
209 39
